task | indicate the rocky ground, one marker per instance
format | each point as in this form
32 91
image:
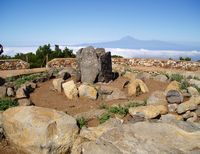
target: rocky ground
139 111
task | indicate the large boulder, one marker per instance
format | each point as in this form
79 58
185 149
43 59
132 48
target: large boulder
70 89
87 91
151 138
37 130
174 85
192 91
161 78
94 65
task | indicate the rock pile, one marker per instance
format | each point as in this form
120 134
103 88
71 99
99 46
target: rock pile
13 64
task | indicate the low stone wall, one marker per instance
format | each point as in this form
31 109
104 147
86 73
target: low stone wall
13 64
61 62
182 65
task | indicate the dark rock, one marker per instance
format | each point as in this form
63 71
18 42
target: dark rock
94 65
2 81
173 96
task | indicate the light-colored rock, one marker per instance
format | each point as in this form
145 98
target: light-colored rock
22 92
149 111
137 86
174 85
37 130
195 82
2 91
10 92
157 98
24 102
172 107
57 84
87 91
188 105
70 89
174 96
169 117
151 138
161 78
193 117
99 147
116 94
192 91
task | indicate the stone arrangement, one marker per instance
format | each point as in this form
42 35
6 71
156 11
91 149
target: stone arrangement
13 64
166 122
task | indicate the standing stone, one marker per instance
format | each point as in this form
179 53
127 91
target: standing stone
94 65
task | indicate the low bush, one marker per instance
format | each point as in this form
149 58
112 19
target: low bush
184 84
104 117
81 122
6 103
176 77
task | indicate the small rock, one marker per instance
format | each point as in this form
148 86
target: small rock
195 82
87 91
10 92
172 107
187 106
64 74
2 81
170 117
193 91
116 94
22 92
105 90
24 102
174 96
197 111
161 78
148 112
157 98
135 87
2 91
57 84
193 117
70 89
174 85
187 115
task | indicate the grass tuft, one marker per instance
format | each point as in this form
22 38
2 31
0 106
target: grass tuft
6 103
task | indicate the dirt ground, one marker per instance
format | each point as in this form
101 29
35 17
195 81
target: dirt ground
46 96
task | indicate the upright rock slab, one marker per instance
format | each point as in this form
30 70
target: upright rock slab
38 130
94 65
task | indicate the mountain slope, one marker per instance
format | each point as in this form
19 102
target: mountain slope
132 43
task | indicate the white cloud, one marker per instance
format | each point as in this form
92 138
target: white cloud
128 53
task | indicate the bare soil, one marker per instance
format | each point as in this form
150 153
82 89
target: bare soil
46 96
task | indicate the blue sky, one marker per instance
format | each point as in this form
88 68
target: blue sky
35 22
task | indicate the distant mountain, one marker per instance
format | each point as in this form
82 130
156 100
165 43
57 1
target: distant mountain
129 42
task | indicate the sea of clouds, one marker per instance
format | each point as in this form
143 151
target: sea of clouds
127 53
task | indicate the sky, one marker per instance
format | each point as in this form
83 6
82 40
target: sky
36 22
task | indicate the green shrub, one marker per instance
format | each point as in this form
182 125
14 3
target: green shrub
176 77
184 84
104 117
81 122
6 103
119 110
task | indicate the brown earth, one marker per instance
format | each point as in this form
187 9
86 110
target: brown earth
46 96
